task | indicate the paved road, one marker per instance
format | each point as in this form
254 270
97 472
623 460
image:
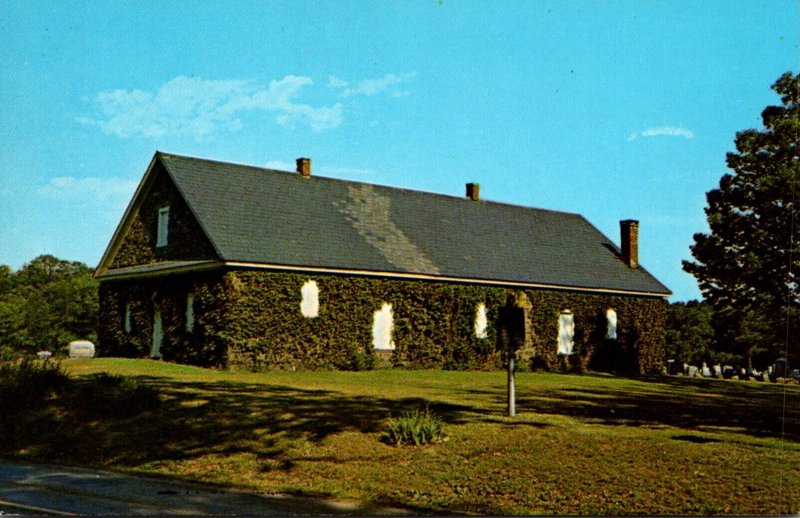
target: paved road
59 490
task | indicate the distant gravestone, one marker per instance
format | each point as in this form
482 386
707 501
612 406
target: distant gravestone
706 371
717 371
692 371
81 349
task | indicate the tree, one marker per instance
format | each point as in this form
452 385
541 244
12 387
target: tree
689 335
46 304
748 265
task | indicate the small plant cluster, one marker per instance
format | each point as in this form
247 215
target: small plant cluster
358 359
415 427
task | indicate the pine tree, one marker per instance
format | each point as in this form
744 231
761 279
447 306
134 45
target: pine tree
748 265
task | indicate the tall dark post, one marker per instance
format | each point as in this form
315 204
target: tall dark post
512 403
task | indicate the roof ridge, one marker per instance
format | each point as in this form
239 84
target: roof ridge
356 182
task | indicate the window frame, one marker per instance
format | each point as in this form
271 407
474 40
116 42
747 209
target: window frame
382 327
566 332
162 227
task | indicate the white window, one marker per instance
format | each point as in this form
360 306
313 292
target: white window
382 328
566 332
162 231
611 324
127 323
309 306
480 321
190 313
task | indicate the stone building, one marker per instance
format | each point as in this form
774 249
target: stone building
223 264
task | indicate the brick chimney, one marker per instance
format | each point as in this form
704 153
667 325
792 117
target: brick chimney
304 167
473 191
629 242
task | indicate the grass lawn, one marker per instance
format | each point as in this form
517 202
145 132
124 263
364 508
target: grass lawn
580 444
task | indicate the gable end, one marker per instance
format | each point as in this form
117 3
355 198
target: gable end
136 241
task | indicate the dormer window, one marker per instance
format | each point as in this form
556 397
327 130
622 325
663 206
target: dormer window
162 231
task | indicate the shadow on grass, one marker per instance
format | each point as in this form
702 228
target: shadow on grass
755 409
198 419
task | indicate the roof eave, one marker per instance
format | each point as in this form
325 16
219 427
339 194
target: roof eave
159 270
442 278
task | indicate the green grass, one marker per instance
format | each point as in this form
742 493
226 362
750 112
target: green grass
580 444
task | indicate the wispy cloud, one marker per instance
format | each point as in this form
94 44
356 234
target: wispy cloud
389 84
280 166
325 170
669 131
192 106
108 196
342 172
90 189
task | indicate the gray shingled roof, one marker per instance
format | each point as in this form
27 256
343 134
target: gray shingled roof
257 215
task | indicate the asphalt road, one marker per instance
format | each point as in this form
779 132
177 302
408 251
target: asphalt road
65 491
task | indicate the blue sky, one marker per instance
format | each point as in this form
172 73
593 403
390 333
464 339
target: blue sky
615 110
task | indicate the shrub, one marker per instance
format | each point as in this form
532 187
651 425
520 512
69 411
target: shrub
28 383
111 395
358 360
416 427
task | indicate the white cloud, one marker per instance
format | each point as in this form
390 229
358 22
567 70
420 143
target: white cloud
335 82
199 107
341 172
325 170
106 196
91 190
388 84
669 131
280 166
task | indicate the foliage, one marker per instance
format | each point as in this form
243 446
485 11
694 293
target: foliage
251 320
358 359
205 345
689 334
46 304
26 383
416 427
748 265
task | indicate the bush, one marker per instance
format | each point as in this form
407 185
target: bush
416 427
111 395
358 360
28 383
